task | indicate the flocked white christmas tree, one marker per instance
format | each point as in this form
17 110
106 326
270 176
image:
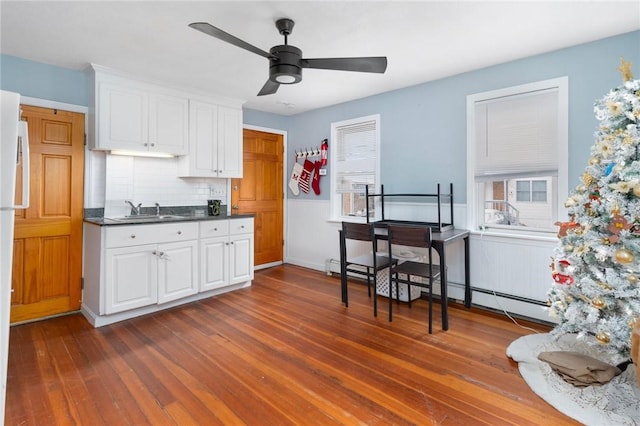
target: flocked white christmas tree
596 266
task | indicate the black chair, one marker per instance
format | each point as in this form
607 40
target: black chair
366 264
411 236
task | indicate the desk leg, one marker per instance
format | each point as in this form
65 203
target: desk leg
343 271
444 297
467 275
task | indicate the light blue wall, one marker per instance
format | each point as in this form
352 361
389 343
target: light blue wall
38 80
265 119
423 128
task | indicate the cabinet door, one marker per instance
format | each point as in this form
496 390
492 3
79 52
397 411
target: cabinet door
168 124
130 278
122 117
229 142
177 270
214 261
240 258
203 141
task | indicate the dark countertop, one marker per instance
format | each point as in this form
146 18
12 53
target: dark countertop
104 221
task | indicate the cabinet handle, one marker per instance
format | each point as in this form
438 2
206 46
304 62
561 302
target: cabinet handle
179 232
215 229
133 236
241 226
145 144
153 144
155 253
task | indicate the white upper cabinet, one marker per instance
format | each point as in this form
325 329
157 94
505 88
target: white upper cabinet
140 118
168 124
123 117
229 142
130 114
215 141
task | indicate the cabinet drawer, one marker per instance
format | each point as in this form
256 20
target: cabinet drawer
240 226
133 235
214 228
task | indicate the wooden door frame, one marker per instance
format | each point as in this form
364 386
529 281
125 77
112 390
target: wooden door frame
285 178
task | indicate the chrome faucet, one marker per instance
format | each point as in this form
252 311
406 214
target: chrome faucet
157 209
135 211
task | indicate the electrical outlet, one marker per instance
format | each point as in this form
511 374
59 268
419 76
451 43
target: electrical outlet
219 192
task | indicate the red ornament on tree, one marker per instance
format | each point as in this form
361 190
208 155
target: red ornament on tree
560 273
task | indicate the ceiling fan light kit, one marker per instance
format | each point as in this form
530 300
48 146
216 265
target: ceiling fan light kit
286 61
285 67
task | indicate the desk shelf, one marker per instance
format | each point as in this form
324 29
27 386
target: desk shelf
442 200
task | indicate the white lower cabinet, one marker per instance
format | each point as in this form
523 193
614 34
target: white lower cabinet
141 274
177 270
130 270
131 278
144 275
226 253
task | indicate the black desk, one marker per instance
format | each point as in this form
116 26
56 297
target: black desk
440 240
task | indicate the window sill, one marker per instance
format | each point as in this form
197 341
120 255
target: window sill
531 236
354 219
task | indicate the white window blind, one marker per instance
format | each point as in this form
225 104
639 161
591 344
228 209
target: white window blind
356 156
517 136
355 165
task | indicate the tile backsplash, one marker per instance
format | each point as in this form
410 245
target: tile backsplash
148 181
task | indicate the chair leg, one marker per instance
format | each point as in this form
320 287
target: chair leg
430 305
345 289
375 295
391 295
369 282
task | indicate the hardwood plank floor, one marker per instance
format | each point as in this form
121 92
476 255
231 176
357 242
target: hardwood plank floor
284 351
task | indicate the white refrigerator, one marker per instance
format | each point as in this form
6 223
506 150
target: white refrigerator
14 150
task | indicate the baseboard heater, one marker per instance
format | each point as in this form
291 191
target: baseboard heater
509 296
333 266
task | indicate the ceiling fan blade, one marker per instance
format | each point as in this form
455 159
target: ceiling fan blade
376 64
269 88
224 36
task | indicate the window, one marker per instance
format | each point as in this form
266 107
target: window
531 190
517 157
355 164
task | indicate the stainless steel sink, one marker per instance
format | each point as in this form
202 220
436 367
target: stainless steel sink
147 218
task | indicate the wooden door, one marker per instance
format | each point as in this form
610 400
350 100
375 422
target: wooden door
261 192
47 266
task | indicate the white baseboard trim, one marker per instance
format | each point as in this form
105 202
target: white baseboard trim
97 320
266 265
306 264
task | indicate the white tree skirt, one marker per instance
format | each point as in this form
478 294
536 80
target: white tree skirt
614 403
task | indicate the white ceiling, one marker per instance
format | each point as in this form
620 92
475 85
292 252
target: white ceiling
423 40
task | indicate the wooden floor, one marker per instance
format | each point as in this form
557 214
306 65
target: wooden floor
284 351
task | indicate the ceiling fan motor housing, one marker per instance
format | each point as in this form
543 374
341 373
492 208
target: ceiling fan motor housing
286 67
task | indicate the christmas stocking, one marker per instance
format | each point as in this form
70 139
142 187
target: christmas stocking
305 176
295 178
315 183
